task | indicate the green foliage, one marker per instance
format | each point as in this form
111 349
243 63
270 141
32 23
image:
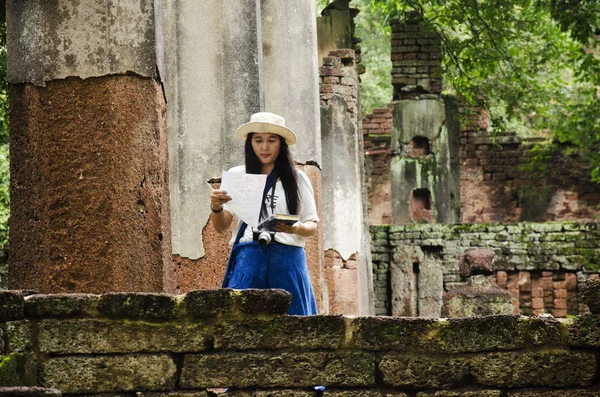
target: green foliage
535 64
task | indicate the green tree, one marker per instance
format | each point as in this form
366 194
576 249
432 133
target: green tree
534 64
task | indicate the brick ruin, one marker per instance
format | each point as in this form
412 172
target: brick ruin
505 181
197 344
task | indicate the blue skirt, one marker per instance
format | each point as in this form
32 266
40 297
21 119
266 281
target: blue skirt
273 266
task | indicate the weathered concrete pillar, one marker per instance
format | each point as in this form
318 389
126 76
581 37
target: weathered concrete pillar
291 89
425 169
347 249
89 194
289 44
416 281
214 79
424 179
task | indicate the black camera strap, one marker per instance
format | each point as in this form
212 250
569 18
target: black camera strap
270 184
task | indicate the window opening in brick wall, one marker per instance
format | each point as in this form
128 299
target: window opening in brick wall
419 146
420 206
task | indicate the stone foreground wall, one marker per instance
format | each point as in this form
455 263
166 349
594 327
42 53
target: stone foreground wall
165 345
541 264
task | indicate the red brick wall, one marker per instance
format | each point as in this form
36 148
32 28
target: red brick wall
377 131
501 181
538 292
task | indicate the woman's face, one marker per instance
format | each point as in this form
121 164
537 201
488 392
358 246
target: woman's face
266 147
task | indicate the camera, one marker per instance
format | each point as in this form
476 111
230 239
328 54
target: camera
263 237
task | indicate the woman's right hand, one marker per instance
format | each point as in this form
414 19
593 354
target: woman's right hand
218 198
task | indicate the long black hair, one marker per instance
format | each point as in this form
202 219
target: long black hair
284 164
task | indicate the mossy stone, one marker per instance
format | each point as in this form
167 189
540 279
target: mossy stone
105 374
24 391
457 393
551 368
61 305
400 370
208 303
12 306
394 333
264 301
277 369
590 294
475 334
17 369
585 331
297 332
137 305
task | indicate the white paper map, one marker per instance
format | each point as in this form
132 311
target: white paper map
246 191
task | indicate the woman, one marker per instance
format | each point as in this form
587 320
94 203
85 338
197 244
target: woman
282 263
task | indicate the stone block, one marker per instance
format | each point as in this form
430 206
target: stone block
105 374
137 305
99 336
363 393
535 369
585 331
208 303
590 295
278 370
17 369
263 301
422 371
265 393
12 306
24 391
18 336
458 393
553 393
61 305
298 332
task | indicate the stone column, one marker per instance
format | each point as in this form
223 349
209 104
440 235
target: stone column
425 169
347 249
89 192
214 83
291 89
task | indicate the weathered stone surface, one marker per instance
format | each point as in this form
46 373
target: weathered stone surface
138 305
174 394
476 261
541 331
307 332
207 303
17 369
553 393
278 370
457 393
270 393
423 371
479 298
98 150
535 369
590 294
61 305
18 336
109 373
23 391
363 393
476 334
94 336
585 331
12 306
428 335
386 333
264 301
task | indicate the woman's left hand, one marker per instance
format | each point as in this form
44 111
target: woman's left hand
291 229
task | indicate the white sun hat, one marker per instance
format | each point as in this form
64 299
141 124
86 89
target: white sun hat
266 122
